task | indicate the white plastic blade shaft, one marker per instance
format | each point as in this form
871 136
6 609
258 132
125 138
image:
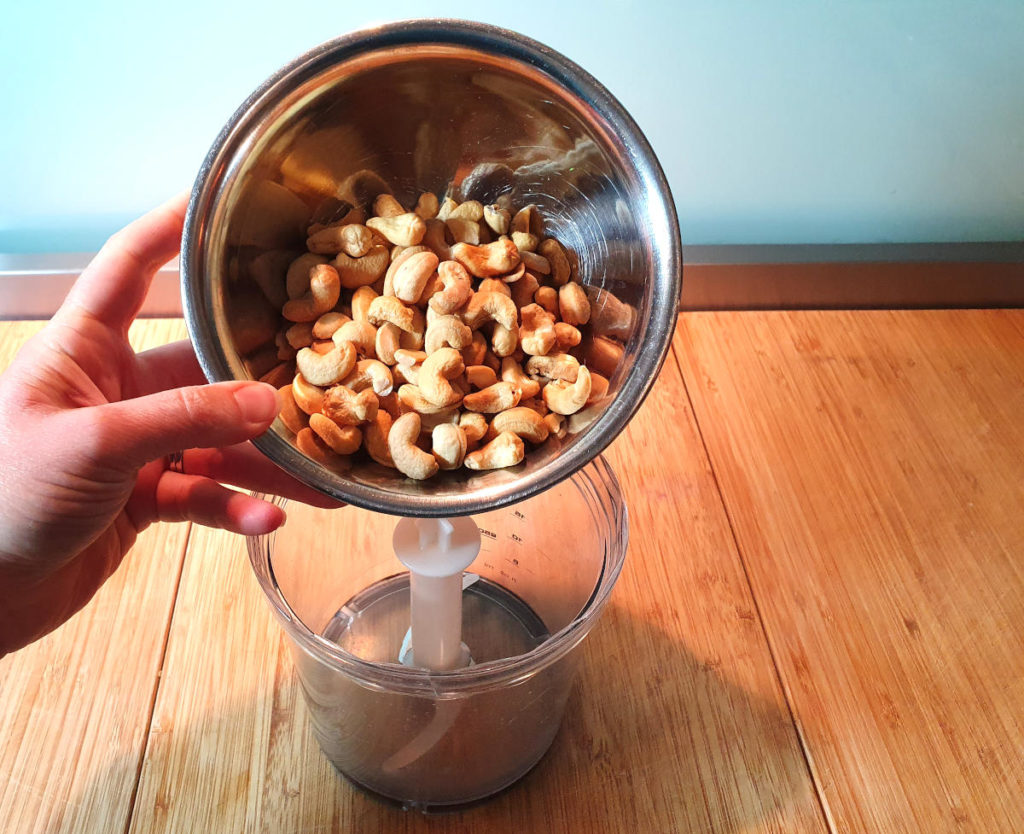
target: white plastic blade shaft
436 552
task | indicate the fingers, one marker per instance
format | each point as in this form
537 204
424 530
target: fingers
191 498
113 287
168 366
133 432
245 466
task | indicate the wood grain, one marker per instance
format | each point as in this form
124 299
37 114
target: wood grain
678 722
872 467
75 706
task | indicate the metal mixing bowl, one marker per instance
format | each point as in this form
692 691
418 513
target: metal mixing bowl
449 107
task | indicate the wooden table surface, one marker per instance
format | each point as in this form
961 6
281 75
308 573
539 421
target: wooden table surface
820 625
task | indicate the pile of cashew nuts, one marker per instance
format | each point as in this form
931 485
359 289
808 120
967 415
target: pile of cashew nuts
449 335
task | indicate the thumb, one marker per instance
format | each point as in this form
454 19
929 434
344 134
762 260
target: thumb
218 414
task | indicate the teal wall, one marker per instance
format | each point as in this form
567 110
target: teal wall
777 122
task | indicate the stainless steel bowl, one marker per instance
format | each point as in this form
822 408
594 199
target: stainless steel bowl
433 105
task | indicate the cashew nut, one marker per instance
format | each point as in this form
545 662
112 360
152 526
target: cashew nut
514 275
523 290
547 297
474 426
412 398
499 219
480 376
494 398
363 271
350 408
324 291
464 231
300 335
555 423
375 438
568 397
490 306
405 229
444 211
447 331
439 367
354 240
308 397
598 388
525 422
360 334
436 239
563 366
387 342
566 336
361 300
370 373
470 210
291 415
537 333
475 352
527 219
573 304
504 340
297 277
602 355
309 443
458 288
387 308
512 371
505 450
536 263
325 326
427 205
489 259
555 254
342 439
449 445
408 458
494 285
412 275
325 369
525 242
385 205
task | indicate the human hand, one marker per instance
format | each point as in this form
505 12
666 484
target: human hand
86 426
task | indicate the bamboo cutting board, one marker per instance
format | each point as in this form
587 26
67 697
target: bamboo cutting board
872 464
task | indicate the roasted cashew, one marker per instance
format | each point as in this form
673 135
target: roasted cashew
447 331
506 449
436 239
323 369
300 335
556 424
427 205
505 341
536 263
523 290
561 366
297 277
464 231
408 458
361 300
411 276
537 333
412 398
598 388
285 351
525 242
449 445
555 254
547 297
387 342
342 439
375 438
458 288
474 426
494 398
566 336
489 259
385 205
323 294
573 304
534 404
399 255
350 408
360 334
490 306
602 355
308 397
309 443
494 285
405 229
527 219
322 346
373 374
525 422
387 308
476 351
497 218
513 276
512 371
444 211
361 272
438 368
568 397
354 240
291 415
468 210
480 376
325 326
413 339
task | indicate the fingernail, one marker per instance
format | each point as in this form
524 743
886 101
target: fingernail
258 403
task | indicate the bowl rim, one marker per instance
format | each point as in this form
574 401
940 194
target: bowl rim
661 224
